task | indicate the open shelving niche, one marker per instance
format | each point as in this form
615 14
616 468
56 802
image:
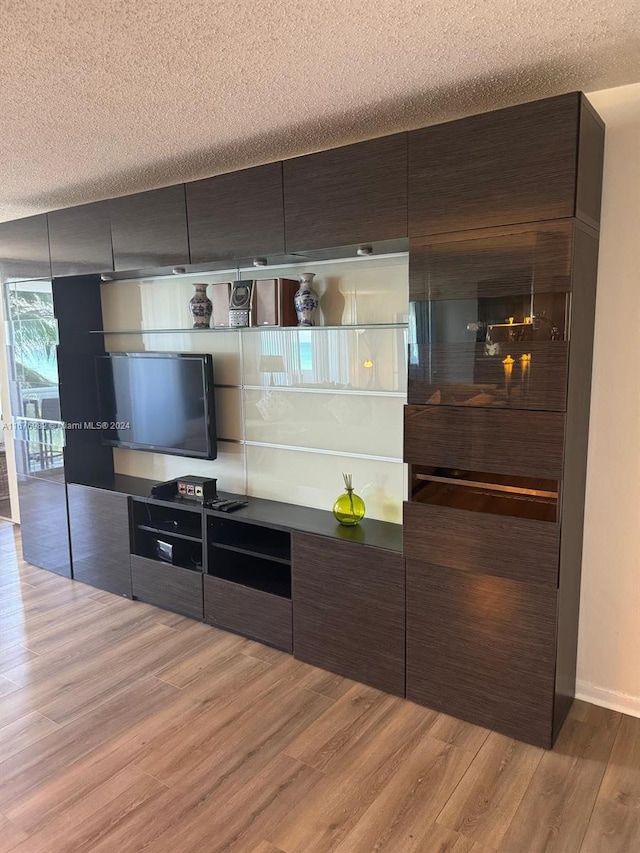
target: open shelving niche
333 391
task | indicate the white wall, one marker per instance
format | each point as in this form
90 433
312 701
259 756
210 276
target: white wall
609 639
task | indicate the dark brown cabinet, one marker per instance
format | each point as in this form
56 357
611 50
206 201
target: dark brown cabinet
44 524
150 229
99 526
80 239
498 168
24 248
237 215
351 195
349 610
482 648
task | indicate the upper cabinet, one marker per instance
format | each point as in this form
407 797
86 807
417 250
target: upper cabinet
24 248
150 229
237 215
80 240
500 168
356 194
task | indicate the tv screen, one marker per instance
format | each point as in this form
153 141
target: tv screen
163 402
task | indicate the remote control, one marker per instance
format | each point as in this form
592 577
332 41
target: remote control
232 506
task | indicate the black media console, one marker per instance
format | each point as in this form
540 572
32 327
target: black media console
236 571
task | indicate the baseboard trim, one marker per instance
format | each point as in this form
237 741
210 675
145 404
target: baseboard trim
622 702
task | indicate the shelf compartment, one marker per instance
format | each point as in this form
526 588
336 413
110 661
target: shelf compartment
170 587
520 497
166 532
484 543
249 538
254 571
251 553
168 520
250 612
187 552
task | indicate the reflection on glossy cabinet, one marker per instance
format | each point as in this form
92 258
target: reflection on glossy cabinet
348 610
24 248
80 239
508 166
237 215
482 648
150 229
43 522
99 525
349 195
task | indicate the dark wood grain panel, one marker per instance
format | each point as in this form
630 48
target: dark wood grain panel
170 587
236 215
462 374
99 527
150 229
355 194
590 165
80 239
482 649
516 548
24 248
348 611
492 263
44 523
512 165
78 308
501 442
575 468
249 612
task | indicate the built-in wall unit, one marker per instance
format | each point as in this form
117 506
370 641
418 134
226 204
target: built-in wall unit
448 371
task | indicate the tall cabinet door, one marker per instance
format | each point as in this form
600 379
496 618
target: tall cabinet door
99 525
349 610
482 648
43 521
150 229
80 239
237 215
498 168
24 248
350 195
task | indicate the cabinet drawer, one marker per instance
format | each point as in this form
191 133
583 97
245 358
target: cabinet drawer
482 649
249 612
519 443
517 548
170 587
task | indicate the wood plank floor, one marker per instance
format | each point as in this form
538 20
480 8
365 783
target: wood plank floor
125 728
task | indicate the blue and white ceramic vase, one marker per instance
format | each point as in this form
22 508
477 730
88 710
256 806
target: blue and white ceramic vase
200 307
306 300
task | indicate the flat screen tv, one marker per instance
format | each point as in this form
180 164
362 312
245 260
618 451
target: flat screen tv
162 402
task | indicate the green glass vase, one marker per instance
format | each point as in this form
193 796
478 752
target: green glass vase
349 508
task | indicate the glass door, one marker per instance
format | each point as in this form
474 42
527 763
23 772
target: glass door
32 339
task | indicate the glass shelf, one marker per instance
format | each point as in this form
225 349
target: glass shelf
183 331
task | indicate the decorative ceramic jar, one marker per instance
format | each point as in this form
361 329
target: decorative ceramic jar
200 307
306 300
349 509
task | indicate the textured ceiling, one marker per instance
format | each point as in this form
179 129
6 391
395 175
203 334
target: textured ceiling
99 98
